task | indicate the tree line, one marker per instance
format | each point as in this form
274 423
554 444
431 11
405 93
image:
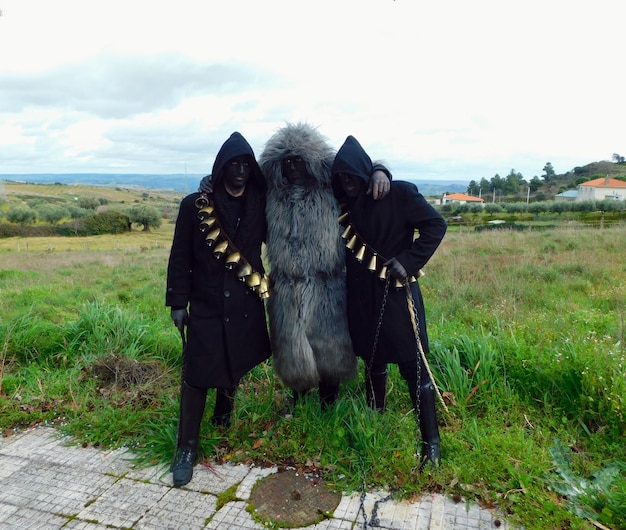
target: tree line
514 184
84 213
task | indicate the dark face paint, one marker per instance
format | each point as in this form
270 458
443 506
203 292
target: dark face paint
294 170
351 184
236 174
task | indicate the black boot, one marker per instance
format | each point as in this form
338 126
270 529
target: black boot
425 408
224 404
192 401
289 410
328 394
376 389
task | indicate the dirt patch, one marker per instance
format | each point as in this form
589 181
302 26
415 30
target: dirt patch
129 381
291 499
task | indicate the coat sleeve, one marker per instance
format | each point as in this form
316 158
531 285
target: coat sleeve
180 264
379 166
431 226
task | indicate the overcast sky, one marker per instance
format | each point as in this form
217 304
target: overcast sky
445 89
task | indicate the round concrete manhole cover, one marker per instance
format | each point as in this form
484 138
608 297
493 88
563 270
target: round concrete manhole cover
291 499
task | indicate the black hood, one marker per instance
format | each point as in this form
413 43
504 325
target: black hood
352 159
236 146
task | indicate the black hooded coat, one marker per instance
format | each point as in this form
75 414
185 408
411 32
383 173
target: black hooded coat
388 227
227 333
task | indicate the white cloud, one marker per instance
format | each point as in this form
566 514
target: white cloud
450 89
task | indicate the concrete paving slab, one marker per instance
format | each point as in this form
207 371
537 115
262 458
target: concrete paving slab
46 484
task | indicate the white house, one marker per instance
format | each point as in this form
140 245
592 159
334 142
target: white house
602 188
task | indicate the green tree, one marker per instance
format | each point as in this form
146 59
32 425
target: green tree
492 208
513 182
549 172
52 213
145 215
89 203
473 188
535 183
77 212
21 214
485 185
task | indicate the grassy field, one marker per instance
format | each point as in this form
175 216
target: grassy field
527 332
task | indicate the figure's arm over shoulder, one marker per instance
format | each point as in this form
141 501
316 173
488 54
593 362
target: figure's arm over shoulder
380 179
206 185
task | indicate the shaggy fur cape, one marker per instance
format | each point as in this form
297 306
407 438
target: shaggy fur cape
307 309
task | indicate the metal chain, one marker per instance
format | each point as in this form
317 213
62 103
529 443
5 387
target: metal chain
380 321
414 317
368 367
415 324
363 492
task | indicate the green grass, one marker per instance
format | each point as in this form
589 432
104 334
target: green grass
527 339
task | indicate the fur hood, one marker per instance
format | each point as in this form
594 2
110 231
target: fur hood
303 140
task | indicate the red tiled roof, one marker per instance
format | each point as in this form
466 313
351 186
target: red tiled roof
463 197
603 182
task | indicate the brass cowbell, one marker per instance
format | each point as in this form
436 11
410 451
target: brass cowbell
244 270
205 212
207 223
232 260
254 280
352 243
212 236
360 254
220 249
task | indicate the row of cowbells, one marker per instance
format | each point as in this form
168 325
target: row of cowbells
375 263
256 281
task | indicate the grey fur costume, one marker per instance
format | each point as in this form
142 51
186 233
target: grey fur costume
307 309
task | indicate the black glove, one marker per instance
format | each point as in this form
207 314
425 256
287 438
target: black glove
206 185
180 318
396 270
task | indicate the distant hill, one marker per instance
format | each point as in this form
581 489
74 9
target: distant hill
572 179
175 182
183 183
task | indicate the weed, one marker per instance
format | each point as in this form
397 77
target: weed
600 497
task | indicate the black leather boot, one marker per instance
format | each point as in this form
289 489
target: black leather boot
224 404
192 402
425 408
328 394
376 389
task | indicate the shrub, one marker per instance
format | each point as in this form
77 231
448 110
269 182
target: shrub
109 222
21 215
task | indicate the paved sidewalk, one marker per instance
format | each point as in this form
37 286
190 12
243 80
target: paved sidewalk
46 484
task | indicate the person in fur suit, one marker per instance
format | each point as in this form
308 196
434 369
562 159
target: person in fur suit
387 249
309 335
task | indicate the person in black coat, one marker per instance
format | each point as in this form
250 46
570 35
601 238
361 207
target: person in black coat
216 287
384 258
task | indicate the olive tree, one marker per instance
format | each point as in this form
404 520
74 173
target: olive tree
51 213
21 214
145 215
